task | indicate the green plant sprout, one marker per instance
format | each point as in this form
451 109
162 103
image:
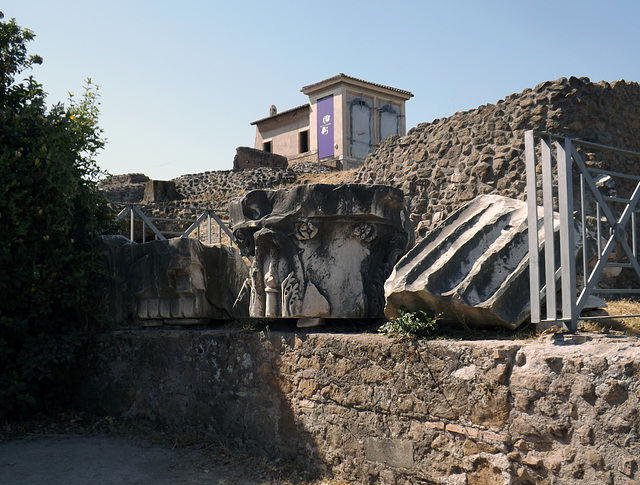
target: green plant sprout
411 325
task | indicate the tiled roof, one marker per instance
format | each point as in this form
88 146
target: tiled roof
344 76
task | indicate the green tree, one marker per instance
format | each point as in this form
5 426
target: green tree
50 215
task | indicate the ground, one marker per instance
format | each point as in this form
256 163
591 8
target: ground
77 448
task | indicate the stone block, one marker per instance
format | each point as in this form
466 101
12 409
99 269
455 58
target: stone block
438 273
472 267
615 393
247 158
177 281
321 251
391 452
160 191
594 459
533 461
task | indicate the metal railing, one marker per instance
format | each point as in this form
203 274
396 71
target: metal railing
208 217
601 233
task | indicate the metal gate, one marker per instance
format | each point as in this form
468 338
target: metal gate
563 174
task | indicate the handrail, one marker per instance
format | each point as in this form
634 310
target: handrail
585 143
558 159
209 214
132 210
146 220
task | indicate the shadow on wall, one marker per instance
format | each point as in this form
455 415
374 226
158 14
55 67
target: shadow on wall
368 409
226 386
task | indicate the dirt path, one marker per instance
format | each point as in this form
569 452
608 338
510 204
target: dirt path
102 459
80 449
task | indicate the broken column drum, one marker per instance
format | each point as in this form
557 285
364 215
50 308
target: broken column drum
473 267
321 251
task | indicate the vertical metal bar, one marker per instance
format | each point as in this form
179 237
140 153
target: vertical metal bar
599 230
133 227
532 220
144 233
549 233
209 228
583 205
611 243
567 238
633 234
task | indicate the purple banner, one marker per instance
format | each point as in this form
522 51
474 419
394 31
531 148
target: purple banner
325 127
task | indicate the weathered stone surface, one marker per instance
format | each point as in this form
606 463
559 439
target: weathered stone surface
395 453
247 158
471 267
321 250
117 298
125 188
160 191
177 281
211 190
485 145
364 407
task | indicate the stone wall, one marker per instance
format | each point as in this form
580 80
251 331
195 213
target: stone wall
211 189
158 191
442 164
365 408
125 188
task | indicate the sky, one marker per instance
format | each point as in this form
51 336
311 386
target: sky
181 82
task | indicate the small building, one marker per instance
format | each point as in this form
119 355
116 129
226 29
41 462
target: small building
343 121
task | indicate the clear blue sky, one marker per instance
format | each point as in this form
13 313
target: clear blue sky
182 81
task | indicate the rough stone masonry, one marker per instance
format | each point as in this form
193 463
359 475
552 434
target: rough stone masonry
442 164
368 409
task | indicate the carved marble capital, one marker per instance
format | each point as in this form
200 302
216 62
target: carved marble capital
327 248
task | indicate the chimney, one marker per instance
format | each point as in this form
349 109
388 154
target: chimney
273 110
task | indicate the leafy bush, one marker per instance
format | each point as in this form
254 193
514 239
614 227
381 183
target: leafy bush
50 214
413 325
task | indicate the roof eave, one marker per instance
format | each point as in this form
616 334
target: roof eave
286 112
326 83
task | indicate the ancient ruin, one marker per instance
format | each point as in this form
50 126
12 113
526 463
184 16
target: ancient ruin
471 267
321 251
248 158
555 409
369 409
175 281
443 164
